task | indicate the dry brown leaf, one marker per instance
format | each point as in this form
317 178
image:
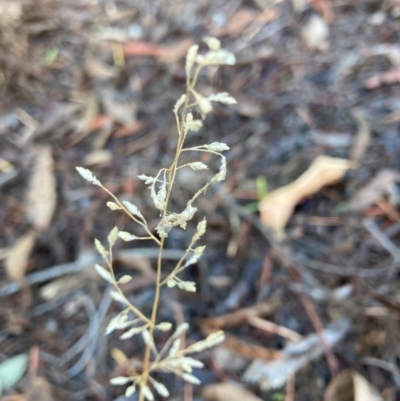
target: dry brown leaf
238 22
42 197
122 110
383 78
11 13
363 136
350 386
61 286
228 392
138 48
84 125
98 69
274 374
176 52
277 207
17 259
238 318
374 190
97 157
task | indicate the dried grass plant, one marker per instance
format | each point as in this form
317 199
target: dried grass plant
170 358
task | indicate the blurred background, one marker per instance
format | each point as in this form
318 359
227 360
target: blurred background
92 83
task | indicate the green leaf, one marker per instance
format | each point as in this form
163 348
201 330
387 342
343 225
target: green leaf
11 370
262 187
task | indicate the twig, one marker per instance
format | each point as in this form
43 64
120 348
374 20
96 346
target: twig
274 328
318 327
290 388
382 238
95 318
87 260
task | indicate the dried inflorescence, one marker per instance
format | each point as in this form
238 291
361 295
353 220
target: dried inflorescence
171 358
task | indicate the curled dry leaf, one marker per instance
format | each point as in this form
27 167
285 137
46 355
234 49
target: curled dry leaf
97 157
383 78
41 197
176 52
228 391
277 207
363 136
274 374
17 258
383 183
350 386
239 21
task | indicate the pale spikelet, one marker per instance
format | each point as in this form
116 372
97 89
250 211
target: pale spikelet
199 250
212 340
218 57
147 179
220 176
100 248
212 43
120 380
183 364
175 347
88 176
198 166
164 326
194 125
125 236
216 147
171 283
188 286
161 389
193 259
124 279
116 296
161 230
187 215
113 236
104 273
130 333
133 208
118 322
204 104
222 97
113 206
215 338
201 229
130 390
148 340
180 219
159 197
190 378
194 363
190 59
180 329
147 393
179 103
